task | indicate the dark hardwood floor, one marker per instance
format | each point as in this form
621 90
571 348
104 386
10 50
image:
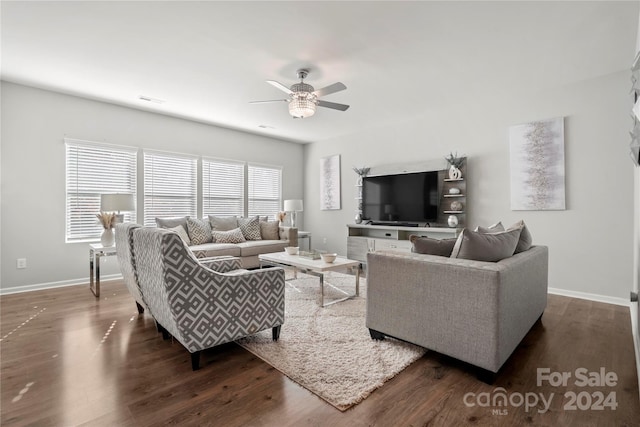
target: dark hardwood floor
71 359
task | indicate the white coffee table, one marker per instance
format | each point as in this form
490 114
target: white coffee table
315 267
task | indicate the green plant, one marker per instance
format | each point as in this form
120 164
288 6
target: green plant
361 171
454 160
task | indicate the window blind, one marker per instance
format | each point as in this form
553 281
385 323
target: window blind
91 170
222 188
265 190
170 186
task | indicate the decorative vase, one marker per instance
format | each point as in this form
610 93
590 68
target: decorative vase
452 221
456 206
107 238
358 218
454 173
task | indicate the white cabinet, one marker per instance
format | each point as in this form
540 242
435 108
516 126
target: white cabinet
363 238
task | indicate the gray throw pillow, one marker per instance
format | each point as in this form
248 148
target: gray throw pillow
495 228
199 231
250 228
223 223
525 241
172 222
490 247
269 230
182 233
229 236
429 246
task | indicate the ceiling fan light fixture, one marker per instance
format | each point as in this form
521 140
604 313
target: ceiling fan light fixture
302 107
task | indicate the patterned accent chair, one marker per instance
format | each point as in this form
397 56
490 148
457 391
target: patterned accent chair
126 261
200 307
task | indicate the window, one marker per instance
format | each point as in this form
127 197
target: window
170 186
265 190
222 188
91 170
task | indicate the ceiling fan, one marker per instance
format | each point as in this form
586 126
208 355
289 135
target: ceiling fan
303 99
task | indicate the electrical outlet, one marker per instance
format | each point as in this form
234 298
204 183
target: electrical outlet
324 240
21 263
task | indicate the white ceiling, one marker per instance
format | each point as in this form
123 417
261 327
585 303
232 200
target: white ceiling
207 60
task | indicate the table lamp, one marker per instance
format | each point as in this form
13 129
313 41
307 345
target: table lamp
116 203
294 206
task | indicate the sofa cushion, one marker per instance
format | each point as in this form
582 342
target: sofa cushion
490 247
182 233
223 223
171 222
257 247
199 231
269 230
525 241
495 228
250 228
230 236
429 246
215 249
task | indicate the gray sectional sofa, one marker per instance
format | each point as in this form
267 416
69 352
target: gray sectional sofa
200 236
474 311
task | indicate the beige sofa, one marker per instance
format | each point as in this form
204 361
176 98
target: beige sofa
247 251
474 311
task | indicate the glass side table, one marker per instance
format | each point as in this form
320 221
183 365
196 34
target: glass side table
97 251
306 235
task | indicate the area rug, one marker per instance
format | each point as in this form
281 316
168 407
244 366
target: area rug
329 350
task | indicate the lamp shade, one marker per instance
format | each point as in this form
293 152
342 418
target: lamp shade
117 202
294 205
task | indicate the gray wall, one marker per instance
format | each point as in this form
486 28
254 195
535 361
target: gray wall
590 243
34 123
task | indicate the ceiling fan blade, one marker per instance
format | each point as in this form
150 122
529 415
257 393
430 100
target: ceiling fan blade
271 100
280 86
336 87
335 106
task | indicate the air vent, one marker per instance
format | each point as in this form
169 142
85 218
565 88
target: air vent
149 99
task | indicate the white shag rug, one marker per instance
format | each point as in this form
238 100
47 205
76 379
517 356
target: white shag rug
329 350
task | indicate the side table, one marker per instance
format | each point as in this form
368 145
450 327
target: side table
97 251
307 236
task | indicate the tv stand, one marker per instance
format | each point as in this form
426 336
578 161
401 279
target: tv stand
395 223
395 237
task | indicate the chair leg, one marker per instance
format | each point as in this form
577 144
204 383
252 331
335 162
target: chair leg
165 333
275 332
140 308
376 335
195 361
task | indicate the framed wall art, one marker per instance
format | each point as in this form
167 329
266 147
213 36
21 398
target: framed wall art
537 165
330 183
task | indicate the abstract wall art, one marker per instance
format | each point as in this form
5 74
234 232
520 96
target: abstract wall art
537 165
330 182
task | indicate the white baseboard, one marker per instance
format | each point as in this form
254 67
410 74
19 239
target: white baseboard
590 297
52 285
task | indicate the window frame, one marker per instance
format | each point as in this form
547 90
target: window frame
101 178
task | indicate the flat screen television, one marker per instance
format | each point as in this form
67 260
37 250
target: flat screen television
401 198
